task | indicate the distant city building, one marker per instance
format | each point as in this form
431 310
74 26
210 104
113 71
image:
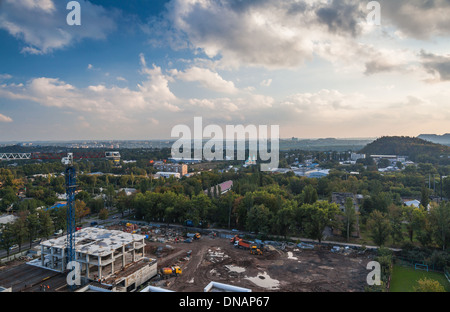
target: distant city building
182 169
168 174
57 205
185 160
7 219
250 161
355 157
317 174
412 203
223 187
340 198
128 191
391 158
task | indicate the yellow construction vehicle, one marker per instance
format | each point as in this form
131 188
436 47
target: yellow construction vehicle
172 271
254 250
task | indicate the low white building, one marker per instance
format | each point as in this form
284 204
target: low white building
7 219
168 174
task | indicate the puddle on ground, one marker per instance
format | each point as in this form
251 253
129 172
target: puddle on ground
291 256
264 280
233 268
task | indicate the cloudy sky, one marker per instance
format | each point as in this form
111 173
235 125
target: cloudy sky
135 69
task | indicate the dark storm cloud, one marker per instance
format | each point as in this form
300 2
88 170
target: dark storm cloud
341 16
420 19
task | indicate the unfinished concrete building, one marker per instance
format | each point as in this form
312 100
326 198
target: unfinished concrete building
106 256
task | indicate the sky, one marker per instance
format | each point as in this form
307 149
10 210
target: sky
135 69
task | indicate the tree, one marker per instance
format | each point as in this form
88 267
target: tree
425 198
19 229
414 219
349 218
423 228
95 205
383 163
395 218
258 219
122 201
81 210
59 218
318 216
428 285
284 220
45 224
110 193
7 238
440 222
309 195
32 223
379 227
103 214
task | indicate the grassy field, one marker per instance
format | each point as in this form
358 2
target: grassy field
405 278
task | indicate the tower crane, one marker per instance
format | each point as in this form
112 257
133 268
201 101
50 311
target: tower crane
70 181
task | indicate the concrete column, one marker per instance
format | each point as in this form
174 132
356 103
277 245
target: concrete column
112 262
99 267
63 261
123 256
87 266
42 255
52 262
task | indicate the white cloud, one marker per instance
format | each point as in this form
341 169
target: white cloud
266 83
271 34
42 26
5 76
43 5
108 103
4 118
287 34
208 79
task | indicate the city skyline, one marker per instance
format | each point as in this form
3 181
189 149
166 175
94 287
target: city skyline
136 69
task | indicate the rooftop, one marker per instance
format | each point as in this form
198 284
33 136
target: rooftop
95 241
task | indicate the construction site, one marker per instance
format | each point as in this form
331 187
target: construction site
128 257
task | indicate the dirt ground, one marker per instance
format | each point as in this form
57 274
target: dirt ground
288 270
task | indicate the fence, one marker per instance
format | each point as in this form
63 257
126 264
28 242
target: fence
14 256
447 275
412 263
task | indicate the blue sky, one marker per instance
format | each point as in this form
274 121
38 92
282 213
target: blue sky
135 69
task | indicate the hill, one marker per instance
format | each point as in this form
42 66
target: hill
435 138
414 148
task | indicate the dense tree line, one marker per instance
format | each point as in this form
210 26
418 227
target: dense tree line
259 202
